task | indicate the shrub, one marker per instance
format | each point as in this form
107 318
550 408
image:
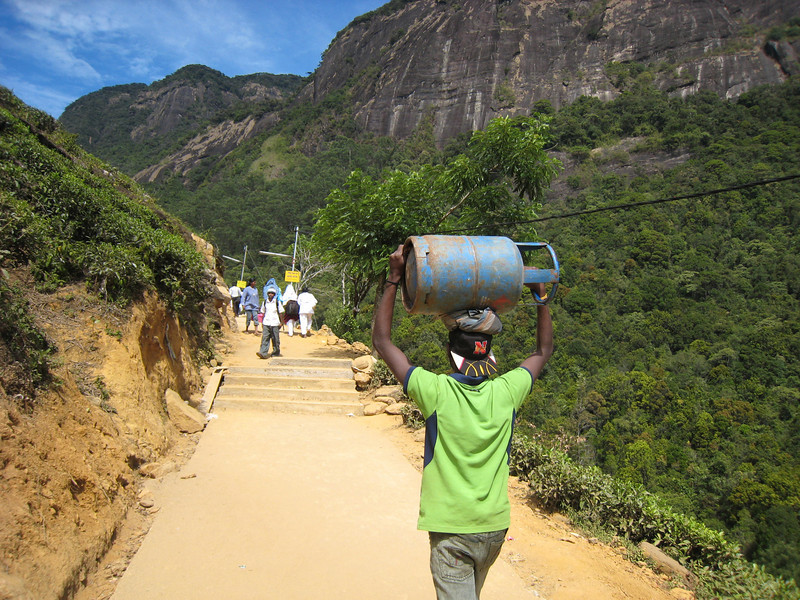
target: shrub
22 344
631 511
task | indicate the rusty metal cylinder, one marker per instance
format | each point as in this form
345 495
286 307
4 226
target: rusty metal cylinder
445 273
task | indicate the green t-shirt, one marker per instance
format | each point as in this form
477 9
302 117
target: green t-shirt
467 439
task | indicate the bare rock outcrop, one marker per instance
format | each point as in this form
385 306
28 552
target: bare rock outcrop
664 563
214 141
462 64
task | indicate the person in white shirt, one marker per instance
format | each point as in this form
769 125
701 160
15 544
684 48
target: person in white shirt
307 303
271 325
292 313
236 297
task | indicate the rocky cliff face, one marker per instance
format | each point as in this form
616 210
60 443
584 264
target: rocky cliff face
470 61
177 100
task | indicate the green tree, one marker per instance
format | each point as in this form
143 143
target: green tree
500 178
638 462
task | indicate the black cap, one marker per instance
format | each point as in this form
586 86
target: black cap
472 353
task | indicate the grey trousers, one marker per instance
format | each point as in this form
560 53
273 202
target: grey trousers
460 562
270 333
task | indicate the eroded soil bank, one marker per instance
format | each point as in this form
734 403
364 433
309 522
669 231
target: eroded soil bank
70 458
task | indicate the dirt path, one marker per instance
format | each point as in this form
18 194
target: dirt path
312 506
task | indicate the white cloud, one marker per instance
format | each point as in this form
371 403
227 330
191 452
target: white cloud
140 66
63 59
156 37
49 38
66 18
212 32
82 45
45 98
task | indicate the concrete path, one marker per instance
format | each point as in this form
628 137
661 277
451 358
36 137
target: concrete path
274 505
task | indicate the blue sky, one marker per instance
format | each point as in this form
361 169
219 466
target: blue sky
55 51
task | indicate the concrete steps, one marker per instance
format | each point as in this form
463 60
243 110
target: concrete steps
296 385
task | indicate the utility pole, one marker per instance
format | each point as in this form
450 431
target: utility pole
244 260
294 254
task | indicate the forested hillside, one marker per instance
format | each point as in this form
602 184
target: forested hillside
141 123
679 323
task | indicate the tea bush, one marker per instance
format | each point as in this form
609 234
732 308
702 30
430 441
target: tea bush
71 219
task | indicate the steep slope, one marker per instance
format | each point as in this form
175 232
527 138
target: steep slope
72 462
213 142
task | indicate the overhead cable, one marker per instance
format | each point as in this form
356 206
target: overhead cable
631 204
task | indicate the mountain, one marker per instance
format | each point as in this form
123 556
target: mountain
418 75
677 323
459 64
133 125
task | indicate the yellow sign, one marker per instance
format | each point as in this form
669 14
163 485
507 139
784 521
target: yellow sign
292 277
242 284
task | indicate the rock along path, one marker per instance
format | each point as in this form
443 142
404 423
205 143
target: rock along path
283 505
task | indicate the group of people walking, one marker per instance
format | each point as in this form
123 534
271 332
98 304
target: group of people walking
277 309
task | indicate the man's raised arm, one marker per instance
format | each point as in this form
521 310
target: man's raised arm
394 358
544 338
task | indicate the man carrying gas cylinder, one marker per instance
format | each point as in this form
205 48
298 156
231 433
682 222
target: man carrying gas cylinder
469 420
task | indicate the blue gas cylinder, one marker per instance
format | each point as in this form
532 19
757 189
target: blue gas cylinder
445 273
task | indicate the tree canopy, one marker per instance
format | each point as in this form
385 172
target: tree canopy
500 178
